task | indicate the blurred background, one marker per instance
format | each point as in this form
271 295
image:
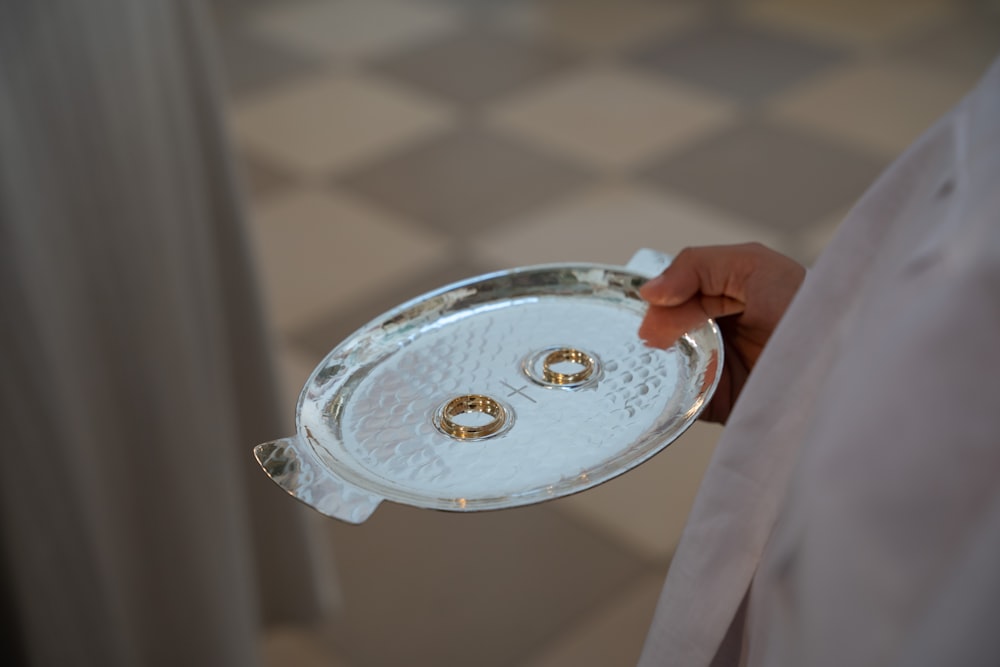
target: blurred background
389 147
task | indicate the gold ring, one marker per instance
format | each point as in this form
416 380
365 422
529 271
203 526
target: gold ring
472 403
567 355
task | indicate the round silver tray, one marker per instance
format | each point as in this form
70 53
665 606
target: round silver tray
498 391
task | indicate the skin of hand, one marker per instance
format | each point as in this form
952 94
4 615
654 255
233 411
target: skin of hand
745 288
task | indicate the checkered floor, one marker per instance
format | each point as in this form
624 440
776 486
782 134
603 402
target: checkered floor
393 146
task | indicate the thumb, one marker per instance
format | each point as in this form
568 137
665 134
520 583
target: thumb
709 270
678 283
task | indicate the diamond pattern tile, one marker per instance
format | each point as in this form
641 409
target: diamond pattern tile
467 181
777 176
476 65
431 588
610 117
608 224
875 104
595 26
742 61
851 23
352 29
337 246
320 336
334 121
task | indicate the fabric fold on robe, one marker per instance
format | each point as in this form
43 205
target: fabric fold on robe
849 490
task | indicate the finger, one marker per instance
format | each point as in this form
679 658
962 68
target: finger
721 306
678 283
709 270
663 326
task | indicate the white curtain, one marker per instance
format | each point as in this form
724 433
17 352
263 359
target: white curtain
134 366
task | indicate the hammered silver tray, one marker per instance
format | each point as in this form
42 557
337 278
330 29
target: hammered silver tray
499 391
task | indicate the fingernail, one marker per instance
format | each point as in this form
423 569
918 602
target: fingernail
652 283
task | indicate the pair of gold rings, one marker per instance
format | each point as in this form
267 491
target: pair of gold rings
449 416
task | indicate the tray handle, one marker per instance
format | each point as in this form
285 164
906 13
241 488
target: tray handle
649 263
292 465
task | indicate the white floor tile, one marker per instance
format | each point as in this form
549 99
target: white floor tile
611 118
334 121
352 28
322 250
608 224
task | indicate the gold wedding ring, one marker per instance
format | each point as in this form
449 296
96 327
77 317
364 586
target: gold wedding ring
471 403
567 355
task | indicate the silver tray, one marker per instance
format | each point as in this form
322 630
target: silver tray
498 391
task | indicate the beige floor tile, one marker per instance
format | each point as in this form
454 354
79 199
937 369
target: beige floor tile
352 28
610 117
876 105
611 636
293 647
853 23
609 223
646 507
337 120
321 250
595 25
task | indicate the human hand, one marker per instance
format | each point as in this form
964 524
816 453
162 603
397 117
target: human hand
746 288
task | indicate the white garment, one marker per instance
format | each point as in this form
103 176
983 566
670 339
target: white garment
856 490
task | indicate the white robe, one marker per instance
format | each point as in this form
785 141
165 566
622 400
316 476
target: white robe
851 512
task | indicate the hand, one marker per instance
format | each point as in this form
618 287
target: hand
746 288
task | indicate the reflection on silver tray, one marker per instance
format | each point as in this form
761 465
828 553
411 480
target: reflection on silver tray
499 391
